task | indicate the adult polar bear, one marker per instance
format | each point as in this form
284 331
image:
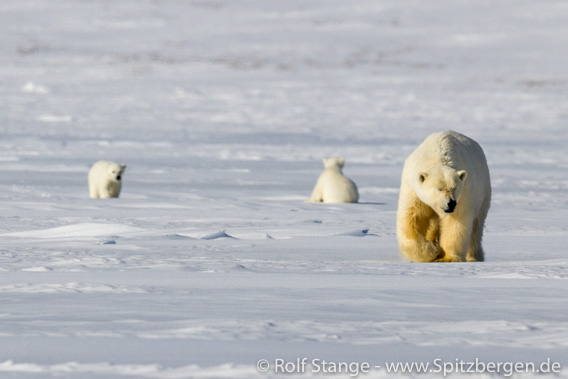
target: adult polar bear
445 193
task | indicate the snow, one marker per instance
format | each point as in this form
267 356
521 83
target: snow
210 260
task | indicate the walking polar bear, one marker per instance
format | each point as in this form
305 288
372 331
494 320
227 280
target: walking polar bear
105 179
445 193
332 186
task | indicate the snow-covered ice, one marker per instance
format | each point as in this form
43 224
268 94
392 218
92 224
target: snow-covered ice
210 260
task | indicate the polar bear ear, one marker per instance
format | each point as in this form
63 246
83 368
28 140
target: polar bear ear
123 167
332 162
422 176
463 175
341 162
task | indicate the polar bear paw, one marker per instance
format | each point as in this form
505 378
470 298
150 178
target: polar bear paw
449 258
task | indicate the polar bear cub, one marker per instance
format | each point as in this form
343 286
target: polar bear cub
445 193
105 179
332 186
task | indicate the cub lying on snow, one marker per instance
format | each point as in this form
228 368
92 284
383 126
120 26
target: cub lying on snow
332 186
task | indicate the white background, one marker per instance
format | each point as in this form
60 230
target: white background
222 110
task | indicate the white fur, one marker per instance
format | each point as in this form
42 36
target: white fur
446 166
105 179
332 186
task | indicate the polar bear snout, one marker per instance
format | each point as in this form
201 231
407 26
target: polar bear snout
451 206
118 177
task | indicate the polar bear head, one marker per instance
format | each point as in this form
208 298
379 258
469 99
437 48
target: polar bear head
114 171
441 188
330 162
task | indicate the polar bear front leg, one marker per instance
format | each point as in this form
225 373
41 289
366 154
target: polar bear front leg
416 238
418 249
104 192
455 235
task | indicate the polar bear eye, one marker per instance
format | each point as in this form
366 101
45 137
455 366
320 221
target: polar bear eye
439 189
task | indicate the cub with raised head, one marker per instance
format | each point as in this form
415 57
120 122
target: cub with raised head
105 179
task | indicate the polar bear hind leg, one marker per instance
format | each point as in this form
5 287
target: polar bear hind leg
93 191
475 252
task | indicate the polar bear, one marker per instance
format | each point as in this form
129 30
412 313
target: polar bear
332 186
445 193
105 179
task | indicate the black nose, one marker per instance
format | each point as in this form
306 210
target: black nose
451 206
118 177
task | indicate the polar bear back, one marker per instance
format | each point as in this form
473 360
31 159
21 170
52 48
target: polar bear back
332 186
337 188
